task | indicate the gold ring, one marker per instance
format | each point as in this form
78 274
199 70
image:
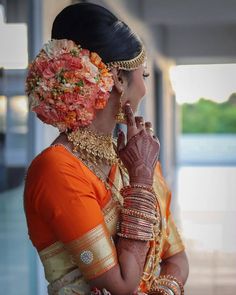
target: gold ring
150 129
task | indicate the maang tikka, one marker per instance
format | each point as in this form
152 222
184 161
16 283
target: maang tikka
120 116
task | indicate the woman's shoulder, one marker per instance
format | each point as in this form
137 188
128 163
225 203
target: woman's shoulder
54 160
55 154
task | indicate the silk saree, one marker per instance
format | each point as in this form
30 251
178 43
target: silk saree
73 219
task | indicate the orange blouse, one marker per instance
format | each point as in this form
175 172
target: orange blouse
61 193
65 206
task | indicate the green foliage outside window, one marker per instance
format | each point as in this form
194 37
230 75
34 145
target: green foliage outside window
207 116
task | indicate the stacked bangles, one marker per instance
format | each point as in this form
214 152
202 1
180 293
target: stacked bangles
167 285
139 213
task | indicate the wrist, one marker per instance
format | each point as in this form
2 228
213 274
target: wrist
140 187
139 213
141 181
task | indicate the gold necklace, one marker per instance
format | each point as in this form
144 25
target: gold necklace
94 167
96 147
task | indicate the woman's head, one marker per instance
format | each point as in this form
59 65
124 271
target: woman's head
95 28
104 39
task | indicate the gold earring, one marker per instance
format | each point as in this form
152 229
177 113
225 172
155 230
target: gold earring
120 116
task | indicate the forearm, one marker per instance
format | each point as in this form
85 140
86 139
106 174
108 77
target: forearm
139 212
177 266
125 276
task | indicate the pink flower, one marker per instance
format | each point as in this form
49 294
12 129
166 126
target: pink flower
84 52
40 65
85 116
48 73
61 106
57 66
71 62
66 84
71 98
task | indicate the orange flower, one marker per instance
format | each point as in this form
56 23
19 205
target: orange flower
100 103
70 118
102 65
105 72
95 58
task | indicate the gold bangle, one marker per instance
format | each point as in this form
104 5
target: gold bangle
160 291
135 237
169 280
139 186
139 214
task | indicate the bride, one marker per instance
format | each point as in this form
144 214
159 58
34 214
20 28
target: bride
98 211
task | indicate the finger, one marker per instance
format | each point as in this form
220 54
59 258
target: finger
139 122
131 126
157 140
149 129
120 141
129 114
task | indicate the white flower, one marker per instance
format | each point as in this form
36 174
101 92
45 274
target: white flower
56 47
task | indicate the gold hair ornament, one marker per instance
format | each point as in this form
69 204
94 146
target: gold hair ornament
129 65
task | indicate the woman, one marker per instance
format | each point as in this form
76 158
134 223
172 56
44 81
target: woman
98 213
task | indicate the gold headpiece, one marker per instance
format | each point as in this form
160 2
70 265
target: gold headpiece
129 65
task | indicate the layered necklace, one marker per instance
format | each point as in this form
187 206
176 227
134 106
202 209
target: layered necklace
97 148
93 149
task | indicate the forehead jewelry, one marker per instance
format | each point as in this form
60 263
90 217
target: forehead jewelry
129 65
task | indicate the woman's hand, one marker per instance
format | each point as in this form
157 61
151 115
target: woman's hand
141 152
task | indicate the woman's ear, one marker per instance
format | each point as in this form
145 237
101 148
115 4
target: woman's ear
118 80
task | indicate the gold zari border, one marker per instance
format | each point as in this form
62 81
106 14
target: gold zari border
51 251
94 252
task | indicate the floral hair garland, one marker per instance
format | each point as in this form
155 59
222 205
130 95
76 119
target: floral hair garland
66 84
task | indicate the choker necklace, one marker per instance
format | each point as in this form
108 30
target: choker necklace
96 147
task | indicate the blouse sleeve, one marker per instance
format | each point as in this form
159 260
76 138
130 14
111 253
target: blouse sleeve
66 201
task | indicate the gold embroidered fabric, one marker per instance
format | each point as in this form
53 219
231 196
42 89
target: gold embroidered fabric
112 211
167 241
89 257
94 253
56 261
173 244
61 271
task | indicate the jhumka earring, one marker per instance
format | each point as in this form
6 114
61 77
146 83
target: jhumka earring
120 116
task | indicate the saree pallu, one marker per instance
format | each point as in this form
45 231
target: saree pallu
69 264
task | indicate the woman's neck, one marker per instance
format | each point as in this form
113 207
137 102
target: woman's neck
102 129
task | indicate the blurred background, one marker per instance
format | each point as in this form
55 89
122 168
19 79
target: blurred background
191 100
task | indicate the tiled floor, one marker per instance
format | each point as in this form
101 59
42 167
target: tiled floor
207 202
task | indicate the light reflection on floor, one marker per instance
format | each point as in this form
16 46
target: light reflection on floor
207 202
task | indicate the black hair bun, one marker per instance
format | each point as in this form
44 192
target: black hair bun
97 29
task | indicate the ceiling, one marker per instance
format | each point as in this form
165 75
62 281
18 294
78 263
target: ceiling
189 31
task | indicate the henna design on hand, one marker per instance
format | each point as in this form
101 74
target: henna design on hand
140 156
129 115
139 121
